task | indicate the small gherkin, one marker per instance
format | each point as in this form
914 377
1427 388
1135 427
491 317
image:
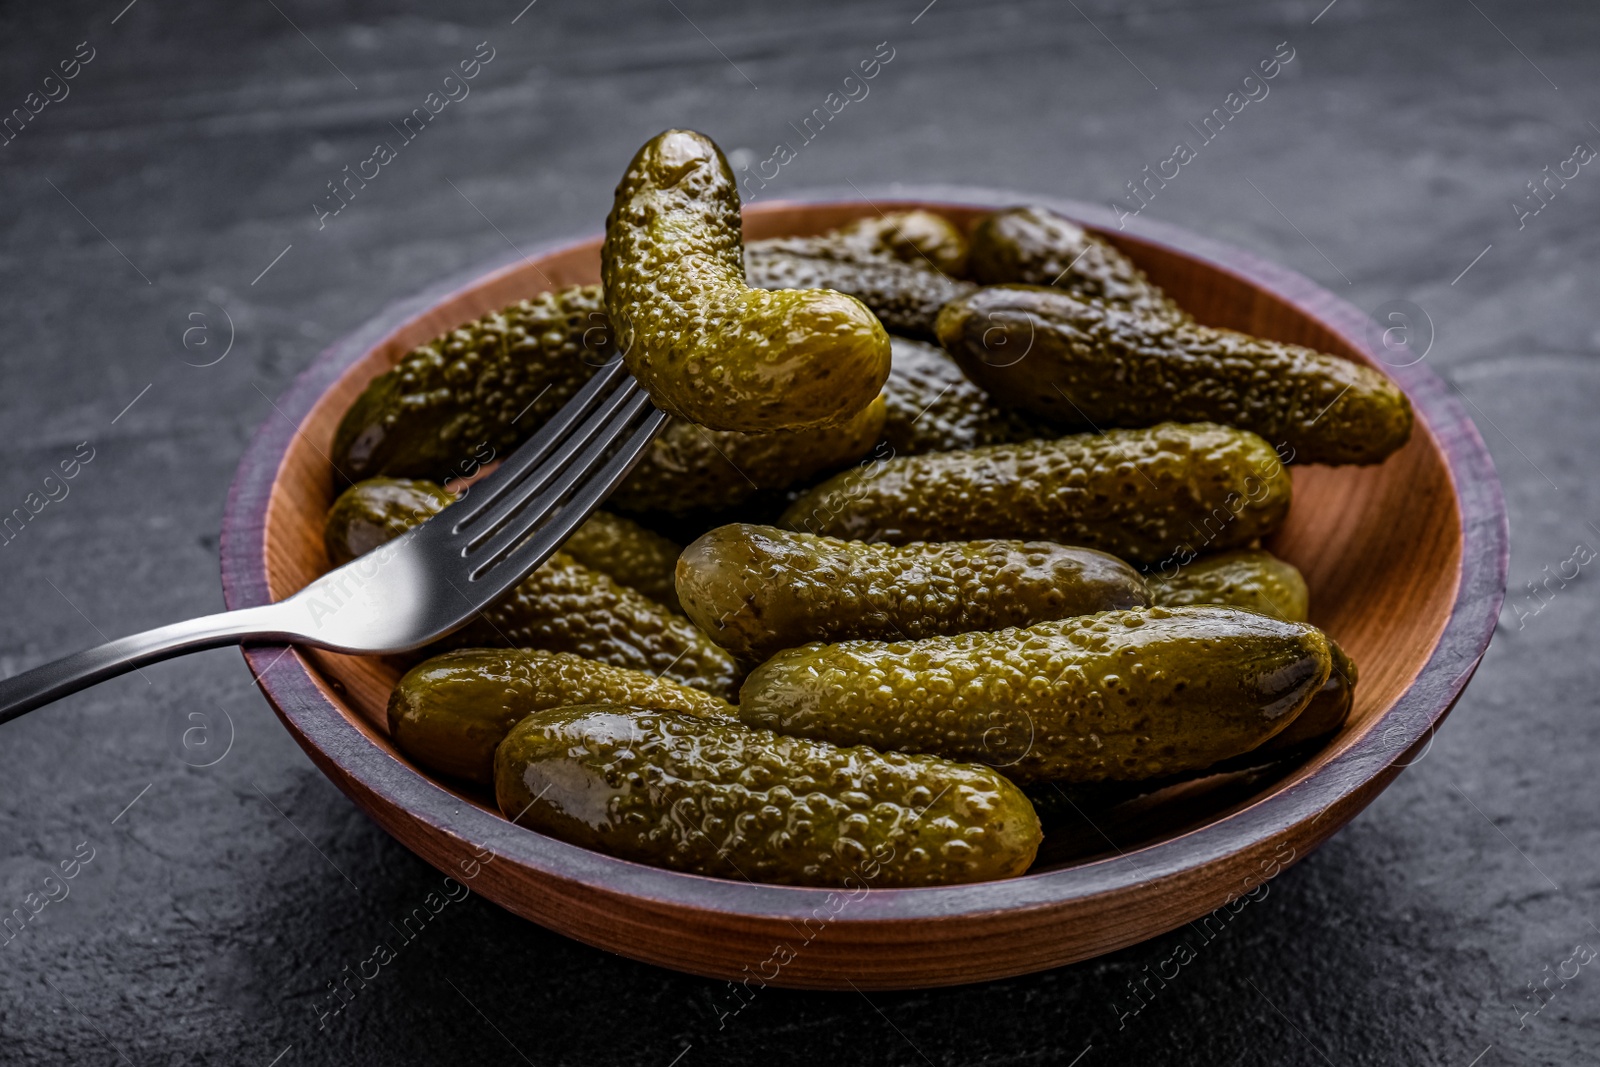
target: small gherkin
905 298
636 557
718 798
920 238
476 392
450 712
1037 246
1249 578
899 265
706 345
563 606
1084 364
1326 712
758 590
934 407
1119 696
689 468
1145 495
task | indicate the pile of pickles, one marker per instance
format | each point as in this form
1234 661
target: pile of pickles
971 520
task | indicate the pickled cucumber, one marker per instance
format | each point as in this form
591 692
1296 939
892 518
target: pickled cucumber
690 468
758 590
378 510
450 712
1249 578
933 407
563 606
477 391
636 557
920 238
1122 695
1145 495
906 297
1326 712
1082 364
1036 246
567 607
718 798
704 344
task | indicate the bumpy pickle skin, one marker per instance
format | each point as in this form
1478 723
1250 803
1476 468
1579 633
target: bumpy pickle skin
920 238
706 346
1078 364
934 407
689 468
377 510
477 391
758 590
636 557
906 297
1123 695
719 798
449 713
1036 246
563 606
1249 578
1144 495
567 607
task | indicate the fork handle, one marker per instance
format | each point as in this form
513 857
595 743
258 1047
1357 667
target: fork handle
22 693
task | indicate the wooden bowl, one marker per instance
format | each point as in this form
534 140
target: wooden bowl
1406 563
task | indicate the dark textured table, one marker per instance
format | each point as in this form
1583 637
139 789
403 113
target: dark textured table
171 257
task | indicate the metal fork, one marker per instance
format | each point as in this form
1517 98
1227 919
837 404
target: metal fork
432 579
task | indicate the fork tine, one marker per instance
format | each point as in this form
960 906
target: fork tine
533 451
562 475
513 497
537 548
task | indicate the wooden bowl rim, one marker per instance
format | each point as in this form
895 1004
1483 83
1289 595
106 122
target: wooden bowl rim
1399 732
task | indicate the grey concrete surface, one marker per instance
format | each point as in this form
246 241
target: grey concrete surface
165 208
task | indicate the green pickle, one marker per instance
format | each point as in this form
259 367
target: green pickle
1119 696
689 468
1081 364
934 407
920 238
449 713
376 511
477 391
717 798
636 557
1036 246
563 606
906 297
1145 495
758 590
707 346
902 265
1326 712
1249 578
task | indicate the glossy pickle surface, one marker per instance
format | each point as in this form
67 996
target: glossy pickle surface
1081 364
1143 495
1122 695
720 798
450 712
706 345
1249 578
757 590
475 393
